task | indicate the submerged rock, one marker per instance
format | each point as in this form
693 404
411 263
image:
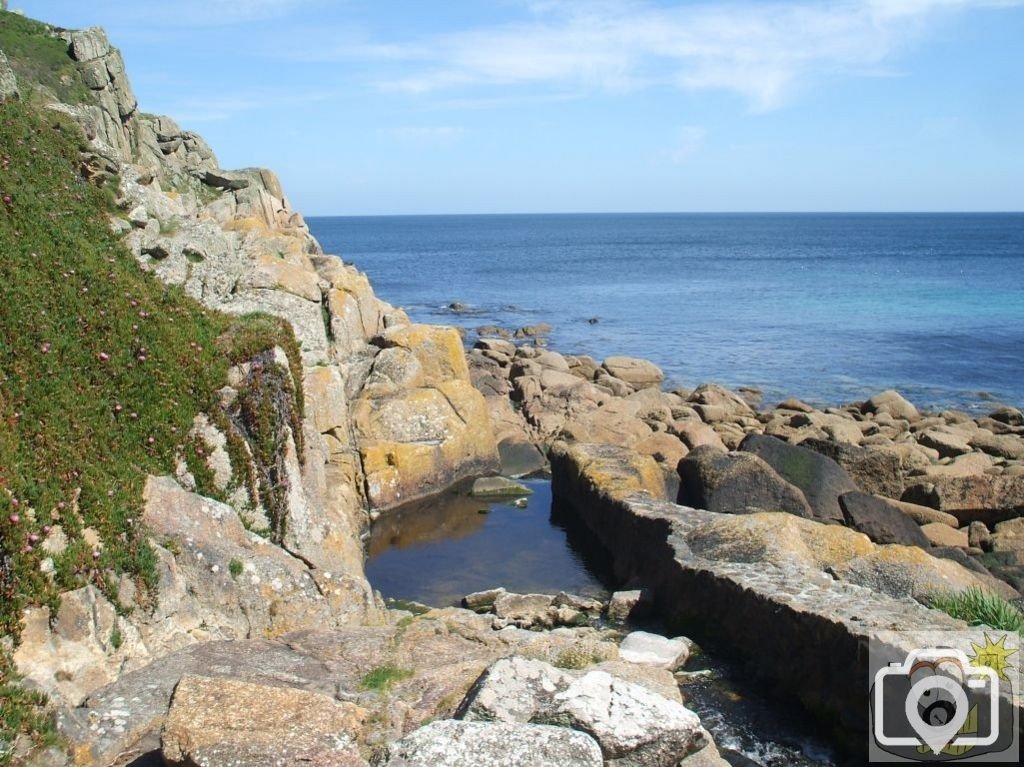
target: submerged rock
498 487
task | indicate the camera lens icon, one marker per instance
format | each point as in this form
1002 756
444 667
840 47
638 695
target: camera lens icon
943 690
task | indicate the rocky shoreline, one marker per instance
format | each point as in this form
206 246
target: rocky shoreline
259 637
946 482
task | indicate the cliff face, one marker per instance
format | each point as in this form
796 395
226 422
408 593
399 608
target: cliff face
259 530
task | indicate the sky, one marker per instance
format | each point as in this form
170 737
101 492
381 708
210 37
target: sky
522 106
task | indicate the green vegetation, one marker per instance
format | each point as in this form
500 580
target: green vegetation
102 370
978 608
576 657
116 638
381 678
21 711
235 568
38 56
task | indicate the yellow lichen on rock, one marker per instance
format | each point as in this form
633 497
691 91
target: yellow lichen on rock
438 349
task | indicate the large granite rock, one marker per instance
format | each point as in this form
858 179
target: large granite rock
649 649
451 743
427 427
608 466
638 373
446 651
633 726
736 483
891 403
8 81
980 498
213 722
514 690
881 521
875 469
821 479
418 442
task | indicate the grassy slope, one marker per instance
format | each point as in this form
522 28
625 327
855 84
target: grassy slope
36 56
102 369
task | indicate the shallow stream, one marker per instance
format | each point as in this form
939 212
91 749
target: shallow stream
435 552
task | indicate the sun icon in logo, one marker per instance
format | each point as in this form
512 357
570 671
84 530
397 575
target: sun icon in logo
993 655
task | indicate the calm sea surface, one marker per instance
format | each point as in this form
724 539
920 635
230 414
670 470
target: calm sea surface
830 308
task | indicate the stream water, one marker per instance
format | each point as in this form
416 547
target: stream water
436 551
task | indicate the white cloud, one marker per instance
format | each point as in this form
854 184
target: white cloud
689 140
762 51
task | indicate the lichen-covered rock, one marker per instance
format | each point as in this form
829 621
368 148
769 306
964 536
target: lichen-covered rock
513 690
451 743
983 497
633 726
419 442
86 645
213 722
8 81
202 594
613 469
908 571
778 539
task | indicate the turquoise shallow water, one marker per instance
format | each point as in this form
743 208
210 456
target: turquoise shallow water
827 307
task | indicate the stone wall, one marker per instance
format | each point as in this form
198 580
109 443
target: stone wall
778 593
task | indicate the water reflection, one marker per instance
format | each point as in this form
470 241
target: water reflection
439 550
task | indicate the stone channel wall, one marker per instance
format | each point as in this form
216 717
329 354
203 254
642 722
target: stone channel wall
787 620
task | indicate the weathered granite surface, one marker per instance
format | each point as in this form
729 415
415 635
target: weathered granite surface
779 611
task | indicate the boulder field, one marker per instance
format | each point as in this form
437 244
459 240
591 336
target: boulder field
878 467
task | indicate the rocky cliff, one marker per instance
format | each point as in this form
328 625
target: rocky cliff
258 529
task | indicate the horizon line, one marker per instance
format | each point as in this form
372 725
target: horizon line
685 213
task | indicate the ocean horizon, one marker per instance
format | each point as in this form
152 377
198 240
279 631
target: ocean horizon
828 307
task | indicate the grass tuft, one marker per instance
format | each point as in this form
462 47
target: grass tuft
382 678
978 608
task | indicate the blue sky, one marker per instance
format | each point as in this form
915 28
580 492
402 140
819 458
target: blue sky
471 106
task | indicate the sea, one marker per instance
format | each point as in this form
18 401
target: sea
830 308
